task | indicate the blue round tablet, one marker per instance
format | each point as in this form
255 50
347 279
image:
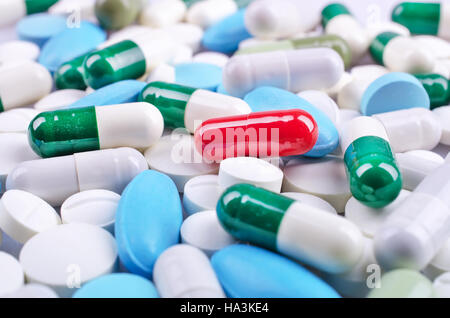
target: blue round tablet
39 28
394 91
198 75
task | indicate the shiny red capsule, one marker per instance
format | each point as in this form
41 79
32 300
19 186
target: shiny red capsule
277 133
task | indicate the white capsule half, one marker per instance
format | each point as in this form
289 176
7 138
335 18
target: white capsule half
208 12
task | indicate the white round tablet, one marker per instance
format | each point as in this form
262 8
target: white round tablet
204 231
311 200
11 274
175 156
18 50
14 149
214 58
441 286
324 177
323 102
369 219
96 207
186 33
162 73
252 171
33 291
346 115
23 215
201 193
16 120
59 99
68 255
443 117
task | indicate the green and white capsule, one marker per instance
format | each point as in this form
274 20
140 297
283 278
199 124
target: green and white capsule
437 87
70 75
316 237
401 53
424 18
187 107
374 177
12 11
68 131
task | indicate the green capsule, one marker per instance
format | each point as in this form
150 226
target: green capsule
379 44
419 18
117 14
331 11
437 87
70 75
403 283
36 6
2 109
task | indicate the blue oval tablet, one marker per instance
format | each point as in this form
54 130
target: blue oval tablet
252 272
271 98
39 28
117 93
221 90
198 75
394 91
70 44
121 285
225 35
148 221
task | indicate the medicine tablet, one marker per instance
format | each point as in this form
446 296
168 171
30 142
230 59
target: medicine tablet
376 27
187 34
334 90
440 48
443 117
39 28
18 50
323 102
14 149
207 13
159 14
32 291
403 283
96 207
214 58
204 231
252 171
59 99
68 7
201 193
198 75
11 274
54 258
312 200
441 286
440 263
162 73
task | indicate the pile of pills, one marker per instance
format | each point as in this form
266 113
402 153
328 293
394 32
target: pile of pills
223 148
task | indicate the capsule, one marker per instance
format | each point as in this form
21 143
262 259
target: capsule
415 232
437 87
206 13
23 84
424 18
293 70
337 19
262 134
65 132
329 41
70 75
372 171
56 179
186 107
12 11
311 235
401 53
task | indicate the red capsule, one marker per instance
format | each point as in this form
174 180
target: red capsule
277 133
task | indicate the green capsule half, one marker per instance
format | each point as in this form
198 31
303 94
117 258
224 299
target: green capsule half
36 6
331 11
379 44
437 87
419 18
2 109
70 75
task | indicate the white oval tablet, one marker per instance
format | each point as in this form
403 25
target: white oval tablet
252 171
187 34
201 194
18 50
11 274
324 177
16 120
33 291
204 231
59 99
311 200
369 219
441 286
323 102
68 254
23 215
14 149
96 207
443 116
162 73
214 58
334 91
175 156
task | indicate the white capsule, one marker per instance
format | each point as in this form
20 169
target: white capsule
214 58
32 291
377 27
312 200
188 34
11 274
441 286
16 120
443 117
18 50
323 102
11 11
59 99
159 14
183 271
293 70
208 12
438 47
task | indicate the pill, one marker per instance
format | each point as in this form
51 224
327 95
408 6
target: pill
201 193
278 226
85 8
198 75
437 87
70 75
415 232
251 171
441 286
56 179
14 149
335 89
323 102
240 268
204 231
162 73
337 19
183 106
311 200
59 99
183 271
373 28
443 117
440 48
27 74
440 263
11 275
32 291
64 132
424 18
18 50
207 13
263 134
14 10
188 34
96 207
175 156
120 285
116 14
39 28
16 120
152 198
159 14
293 70
214 58
403 283
49 257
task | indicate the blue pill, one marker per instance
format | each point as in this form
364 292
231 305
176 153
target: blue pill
117 93
39 28
148 221
226 35
252 272
221 90
70 44
394 91
198 75
271 98
121 285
